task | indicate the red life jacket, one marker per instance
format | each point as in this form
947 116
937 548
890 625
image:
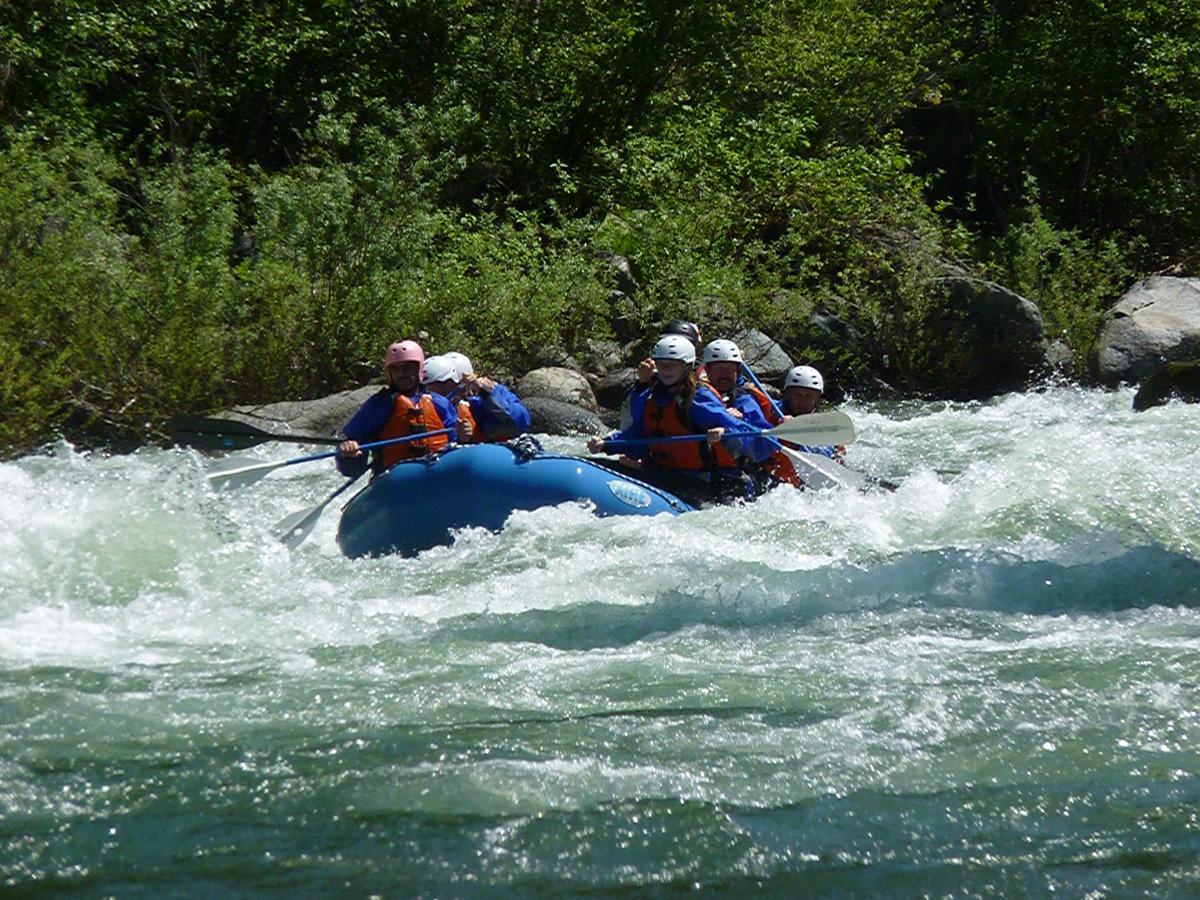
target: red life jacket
411 418
465 415
770 413
779 467
669 421
725 459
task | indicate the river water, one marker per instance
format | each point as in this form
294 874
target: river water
986 683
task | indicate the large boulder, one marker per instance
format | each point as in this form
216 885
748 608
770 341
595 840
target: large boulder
324 416
768 360
1156 322
1175 379
983 340
557 383
556 417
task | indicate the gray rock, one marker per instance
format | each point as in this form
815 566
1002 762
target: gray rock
625 281
611 388
986 339
555 417
1061 358
763 355
1175 379
602 356
323 417
555 383
1156 322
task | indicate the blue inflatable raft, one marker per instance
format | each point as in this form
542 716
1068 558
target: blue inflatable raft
417 503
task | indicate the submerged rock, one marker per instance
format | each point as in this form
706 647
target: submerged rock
1156 322
1180 380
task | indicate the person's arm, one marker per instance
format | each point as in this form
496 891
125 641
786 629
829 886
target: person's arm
363 428
740 439
501 413
631 431
752 412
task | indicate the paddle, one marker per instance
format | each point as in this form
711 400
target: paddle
293 529
815 470
758 384
229 434
241 472
821 468
817 429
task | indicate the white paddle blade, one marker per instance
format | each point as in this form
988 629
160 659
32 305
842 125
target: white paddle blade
819 472
292 530
235 473
821 429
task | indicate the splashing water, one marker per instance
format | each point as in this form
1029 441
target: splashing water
987 682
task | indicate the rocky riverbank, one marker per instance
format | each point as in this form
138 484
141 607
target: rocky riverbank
1151 336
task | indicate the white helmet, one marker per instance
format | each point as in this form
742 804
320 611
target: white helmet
804 377
722 351
441 368
461 363
674 346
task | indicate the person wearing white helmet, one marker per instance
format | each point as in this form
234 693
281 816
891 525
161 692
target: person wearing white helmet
803 387
723 362
442 377
497 414
400 408
802 390
677 403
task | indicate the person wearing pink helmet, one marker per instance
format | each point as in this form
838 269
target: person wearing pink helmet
401 408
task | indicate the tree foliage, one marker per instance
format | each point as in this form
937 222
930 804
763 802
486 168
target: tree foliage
212 201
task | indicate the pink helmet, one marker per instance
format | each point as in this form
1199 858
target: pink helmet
406 351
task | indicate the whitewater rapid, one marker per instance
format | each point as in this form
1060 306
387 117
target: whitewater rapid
984 682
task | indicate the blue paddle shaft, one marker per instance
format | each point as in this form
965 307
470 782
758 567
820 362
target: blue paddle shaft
408 438
758 384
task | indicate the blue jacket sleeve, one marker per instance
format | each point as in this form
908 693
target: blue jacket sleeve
632 416
364 427
741 439
752 413
500 414
447 410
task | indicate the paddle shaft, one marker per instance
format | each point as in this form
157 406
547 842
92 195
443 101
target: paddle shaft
408 438
816 429
293 529
758 384
240 473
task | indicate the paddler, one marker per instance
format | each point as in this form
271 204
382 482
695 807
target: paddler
803 388
677 403
723 362
645 369
497 413
401 408
443 378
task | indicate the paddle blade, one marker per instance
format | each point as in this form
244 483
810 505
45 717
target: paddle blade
229 434
822 429
293 529
819 472
235 473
